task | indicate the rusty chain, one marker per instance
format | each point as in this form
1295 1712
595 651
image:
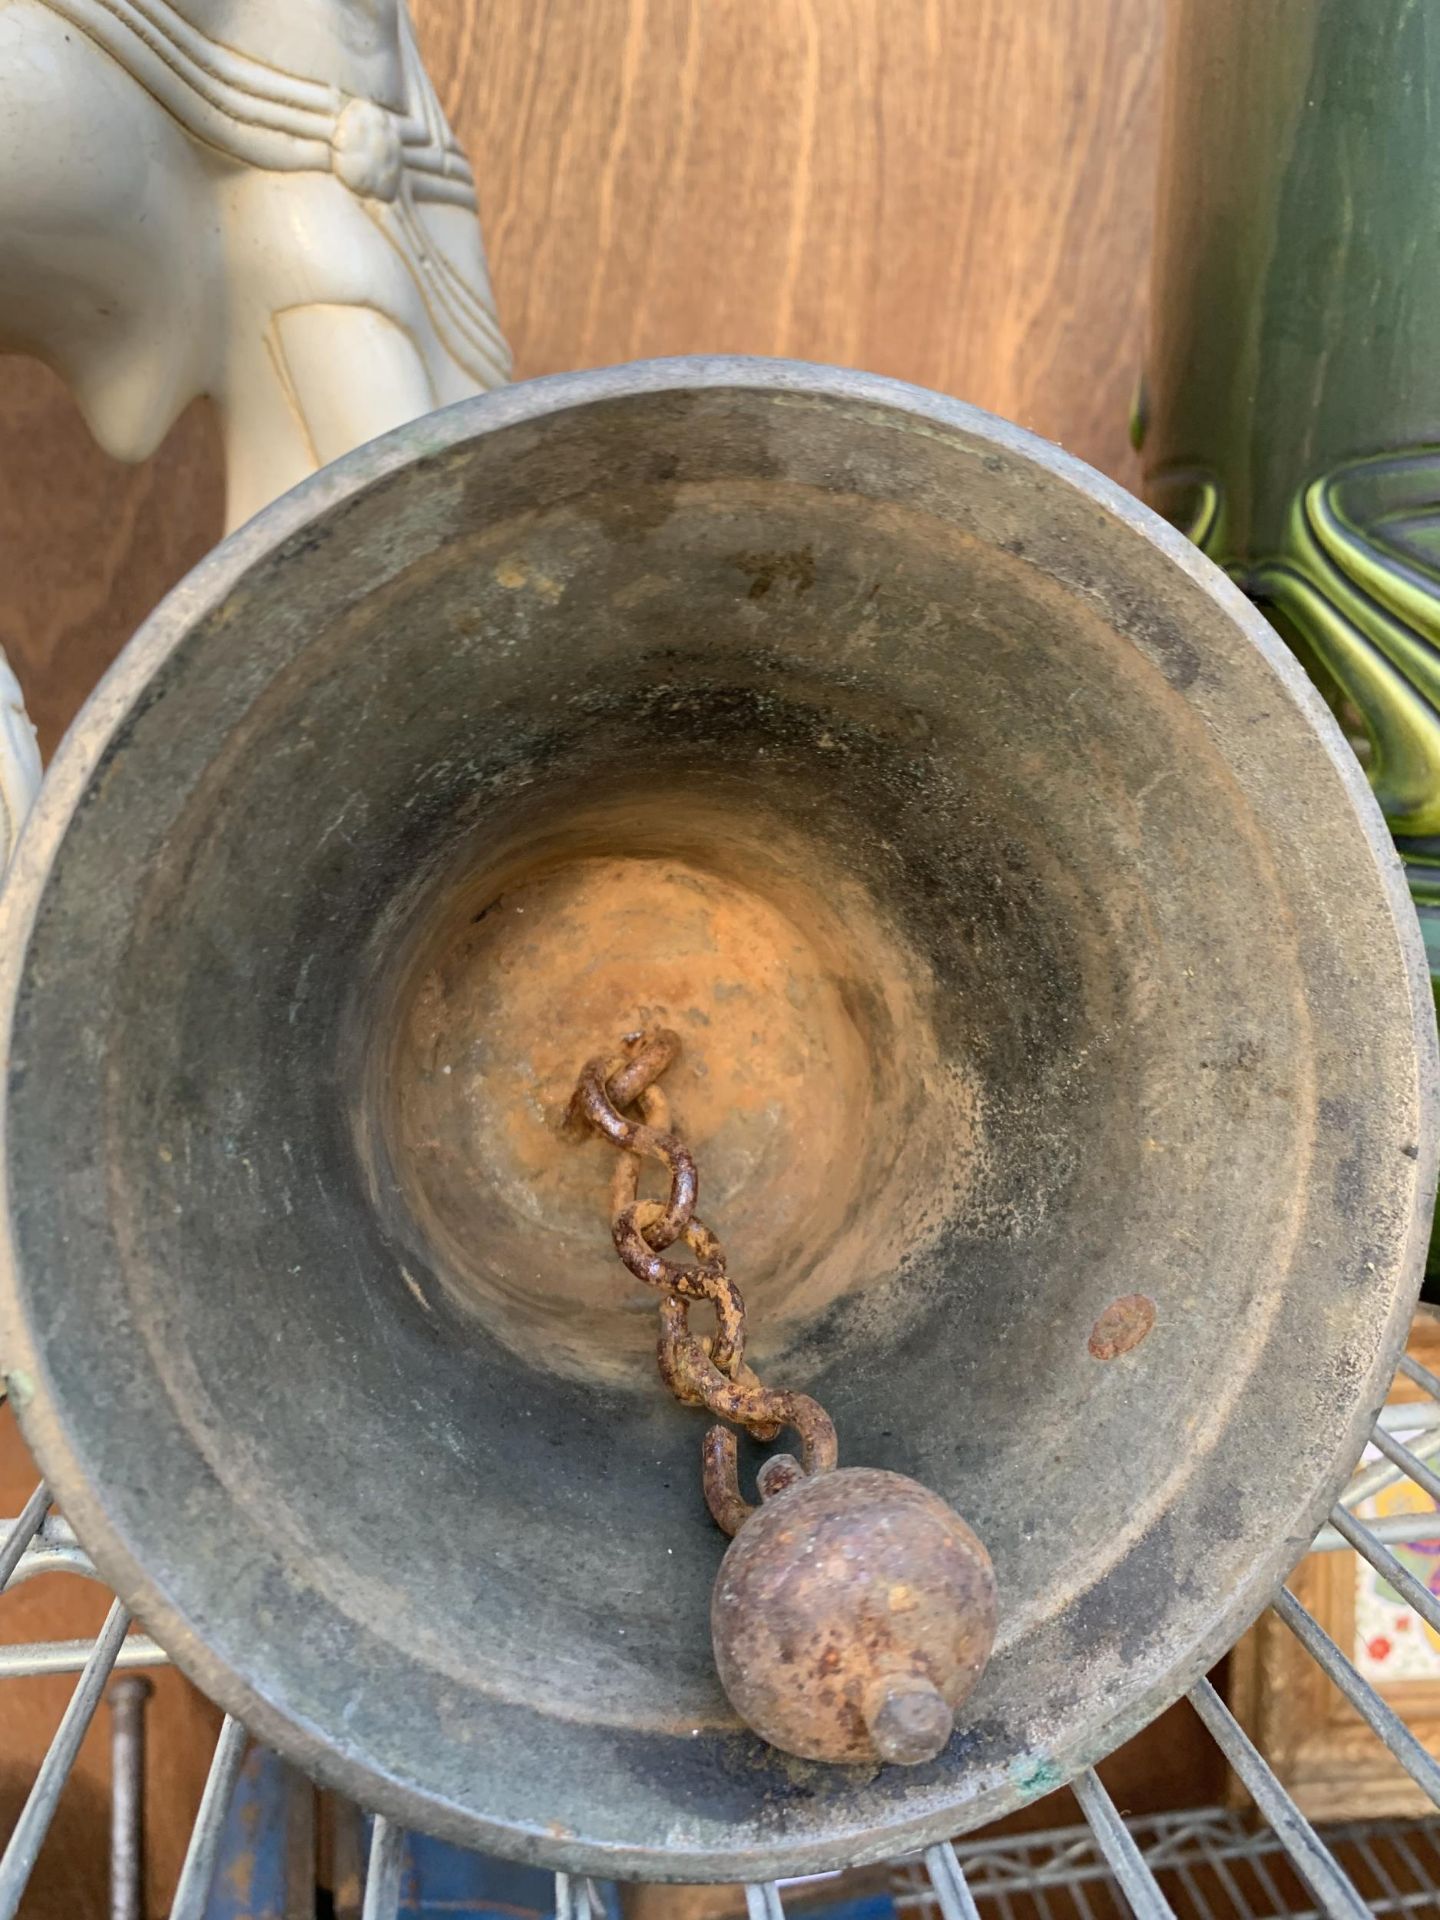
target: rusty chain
701 1370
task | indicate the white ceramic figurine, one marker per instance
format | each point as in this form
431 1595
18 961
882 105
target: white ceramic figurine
249 199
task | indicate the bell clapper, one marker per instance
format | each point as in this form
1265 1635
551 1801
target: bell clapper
854 1610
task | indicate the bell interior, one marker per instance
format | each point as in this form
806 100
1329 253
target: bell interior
1032 950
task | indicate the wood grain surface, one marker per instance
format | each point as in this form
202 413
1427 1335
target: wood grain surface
956 192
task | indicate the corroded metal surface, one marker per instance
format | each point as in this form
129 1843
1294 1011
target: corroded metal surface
853 1613
754 955
1033 860
706 1370
1122 1326
855 1617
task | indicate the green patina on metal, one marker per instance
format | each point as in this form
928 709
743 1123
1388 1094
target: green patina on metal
20 1386
1036 1775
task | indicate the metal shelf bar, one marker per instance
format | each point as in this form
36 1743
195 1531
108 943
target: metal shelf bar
54 1545
193 1892
49 1554
1382 1873
1199 1849
1268 1882
947 1877
1199 1905
1422 1376
1117 1843
1403 1847
577 1898
762 1901
39 1809
1220 1867
127 1797
1042 1901
1408 1416
1377 1714
1379 1473
31 1657
21 1531
1409 1463
1363 1539
1313 1860
1393 1529
384 1871
1082 1900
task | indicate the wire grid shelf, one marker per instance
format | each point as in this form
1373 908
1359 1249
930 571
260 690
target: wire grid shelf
1208 1865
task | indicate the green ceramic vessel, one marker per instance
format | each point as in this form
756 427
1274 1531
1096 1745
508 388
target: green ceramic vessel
1290 413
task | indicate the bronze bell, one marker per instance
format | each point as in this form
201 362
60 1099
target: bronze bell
1057 1047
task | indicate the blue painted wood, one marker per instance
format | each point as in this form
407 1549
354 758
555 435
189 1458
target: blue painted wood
437 1879
249 1881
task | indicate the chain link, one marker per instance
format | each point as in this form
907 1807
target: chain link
701 1370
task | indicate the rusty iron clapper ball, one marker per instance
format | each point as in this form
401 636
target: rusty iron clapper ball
853 1616
1053 1038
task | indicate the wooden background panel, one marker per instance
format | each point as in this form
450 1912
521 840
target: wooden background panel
88 546
956 192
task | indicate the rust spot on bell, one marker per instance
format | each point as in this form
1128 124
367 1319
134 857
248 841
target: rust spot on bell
1123 1325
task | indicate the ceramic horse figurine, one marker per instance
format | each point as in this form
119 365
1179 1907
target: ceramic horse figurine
248 199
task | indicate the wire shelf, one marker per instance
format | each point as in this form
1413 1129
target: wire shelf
1207 1865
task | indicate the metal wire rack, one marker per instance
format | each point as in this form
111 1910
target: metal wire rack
1211 1864
1199 1866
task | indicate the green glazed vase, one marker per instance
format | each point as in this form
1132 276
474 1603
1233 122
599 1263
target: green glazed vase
1289 418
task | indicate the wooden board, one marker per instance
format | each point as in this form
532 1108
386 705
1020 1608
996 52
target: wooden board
956 192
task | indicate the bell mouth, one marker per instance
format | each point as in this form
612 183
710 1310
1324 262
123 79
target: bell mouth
833 1137
1064 1093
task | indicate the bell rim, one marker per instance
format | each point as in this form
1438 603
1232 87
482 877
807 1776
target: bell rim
81 756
